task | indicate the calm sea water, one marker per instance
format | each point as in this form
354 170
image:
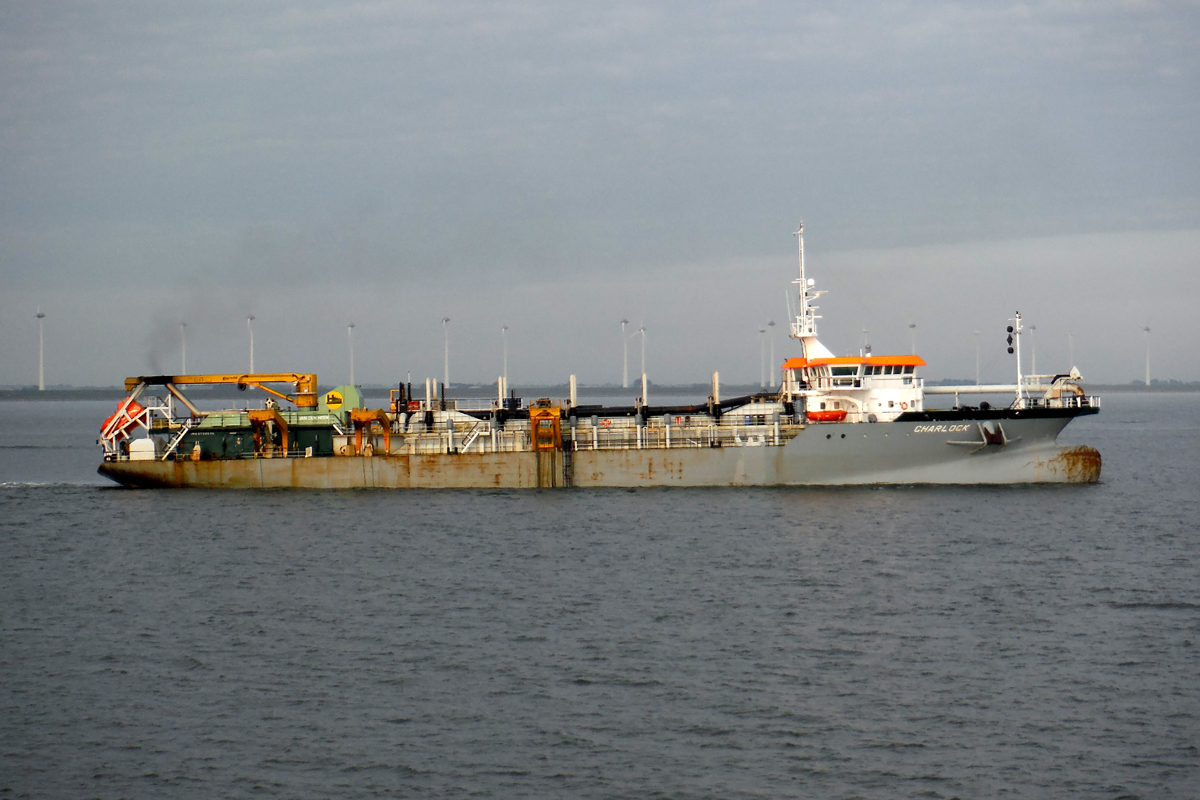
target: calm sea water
900 642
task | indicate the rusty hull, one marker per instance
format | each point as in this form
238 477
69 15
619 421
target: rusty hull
741 466
1073 465
432 471
834 454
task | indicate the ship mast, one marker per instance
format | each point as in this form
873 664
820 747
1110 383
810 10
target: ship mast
804 327
1016 329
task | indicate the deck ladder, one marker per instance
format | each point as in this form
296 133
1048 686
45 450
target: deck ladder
187 426
472 436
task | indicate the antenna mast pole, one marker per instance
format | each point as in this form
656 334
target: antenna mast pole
800 240
1017 333
805 322
799 325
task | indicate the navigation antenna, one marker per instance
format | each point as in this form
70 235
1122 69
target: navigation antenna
805 324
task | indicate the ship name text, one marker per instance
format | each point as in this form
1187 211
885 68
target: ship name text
941 428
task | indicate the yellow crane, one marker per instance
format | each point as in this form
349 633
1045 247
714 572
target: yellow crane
305 385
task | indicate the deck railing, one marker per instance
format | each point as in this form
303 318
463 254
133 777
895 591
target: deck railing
1070 401
484 437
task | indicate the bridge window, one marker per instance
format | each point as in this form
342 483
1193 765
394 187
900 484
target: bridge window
845 370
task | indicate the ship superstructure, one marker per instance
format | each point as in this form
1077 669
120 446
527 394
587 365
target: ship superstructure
836 420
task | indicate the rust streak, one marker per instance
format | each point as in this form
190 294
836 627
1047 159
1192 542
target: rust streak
1078 465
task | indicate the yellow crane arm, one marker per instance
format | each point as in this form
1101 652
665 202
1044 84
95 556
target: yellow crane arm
306 384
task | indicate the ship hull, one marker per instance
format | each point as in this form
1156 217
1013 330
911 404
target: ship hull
914 451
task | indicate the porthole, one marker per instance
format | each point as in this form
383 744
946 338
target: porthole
829 436
843 436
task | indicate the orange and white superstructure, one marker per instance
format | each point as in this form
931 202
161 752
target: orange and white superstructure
863 388
866 388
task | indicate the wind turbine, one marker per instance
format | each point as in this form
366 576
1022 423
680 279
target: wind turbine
1147 331
446 353
250 328
625 363
976 358
642 331
41 364
762 358
1033 348
771 361
504 346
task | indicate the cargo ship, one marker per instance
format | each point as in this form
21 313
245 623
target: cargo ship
849 420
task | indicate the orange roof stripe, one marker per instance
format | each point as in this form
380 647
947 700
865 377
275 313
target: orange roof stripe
876 361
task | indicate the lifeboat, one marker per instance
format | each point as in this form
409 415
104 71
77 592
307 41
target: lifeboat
832 415
124 421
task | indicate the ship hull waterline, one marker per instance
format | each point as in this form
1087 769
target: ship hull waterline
833 454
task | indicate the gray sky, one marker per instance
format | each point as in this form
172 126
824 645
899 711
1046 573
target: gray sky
557 167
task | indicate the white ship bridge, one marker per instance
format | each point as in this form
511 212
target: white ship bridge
855 388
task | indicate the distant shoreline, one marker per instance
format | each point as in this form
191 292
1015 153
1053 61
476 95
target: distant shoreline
699 390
